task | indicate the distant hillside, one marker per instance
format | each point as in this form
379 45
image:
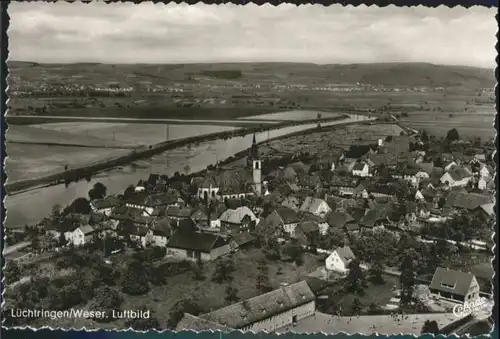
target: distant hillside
389 74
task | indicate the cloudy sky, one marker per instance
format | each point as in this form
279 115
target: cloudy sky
148 33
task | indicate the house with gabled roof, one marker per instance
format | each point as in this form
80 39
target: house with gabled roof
374 219
197 246
316 206
105 205
361 169
79 235
321 221
283 218
339 260
466 201
457 177
291 202
162 230
267 312
307 233
454 286
237 220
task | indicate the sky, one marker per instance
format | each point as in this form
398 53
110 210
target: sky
147 33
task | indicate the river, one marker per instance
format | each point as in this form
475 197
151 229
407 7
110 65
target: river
30 207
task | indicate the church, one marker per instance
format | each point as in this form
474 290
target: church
236 183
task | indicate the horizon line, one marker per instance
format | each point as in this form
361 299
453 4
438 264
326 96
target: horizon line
247 62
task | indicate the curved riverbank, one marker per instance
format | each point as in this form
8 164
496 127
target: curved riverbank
82 172
196 157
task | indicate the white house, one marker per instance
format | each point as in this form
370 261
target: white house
80 236
316 206
339 260
450 166
360 169
421 175
481 184
419 196
459 177
455 286
484 172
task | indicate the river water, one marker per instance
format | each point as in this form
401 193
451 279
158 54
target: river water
32 206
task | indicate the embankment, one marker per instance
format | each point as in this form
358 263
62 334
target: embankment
73 174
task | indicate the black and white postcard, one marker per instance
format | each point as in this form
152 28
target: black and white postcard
257 168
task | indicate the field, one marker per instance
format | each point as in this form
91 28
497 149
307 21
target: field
131 133
44 135
292 115
209 295
338 139
31 161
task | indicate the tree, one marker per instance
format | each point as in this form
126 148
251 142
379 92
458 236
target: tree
107 300
357 306
231 294
223 270
452 135
373 309
407 279
355 277
11 272
263 283
129 191
178 310
80 206
376 274
198 270
295 253
62 239
135 279
430 327
143 324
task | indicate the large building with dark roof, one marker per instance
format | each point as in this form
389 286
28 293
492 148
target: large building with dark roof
454 285
269 312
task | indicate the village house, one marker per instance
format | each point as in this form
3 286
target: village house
466 201
80 235
320 221
291 202
268 312
455 286
177 214
316 206
342 221
162 230
137 200
339 260
237 220
361 169
283 218
197 246
307 233
374 219
105 206
241 240
458 177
